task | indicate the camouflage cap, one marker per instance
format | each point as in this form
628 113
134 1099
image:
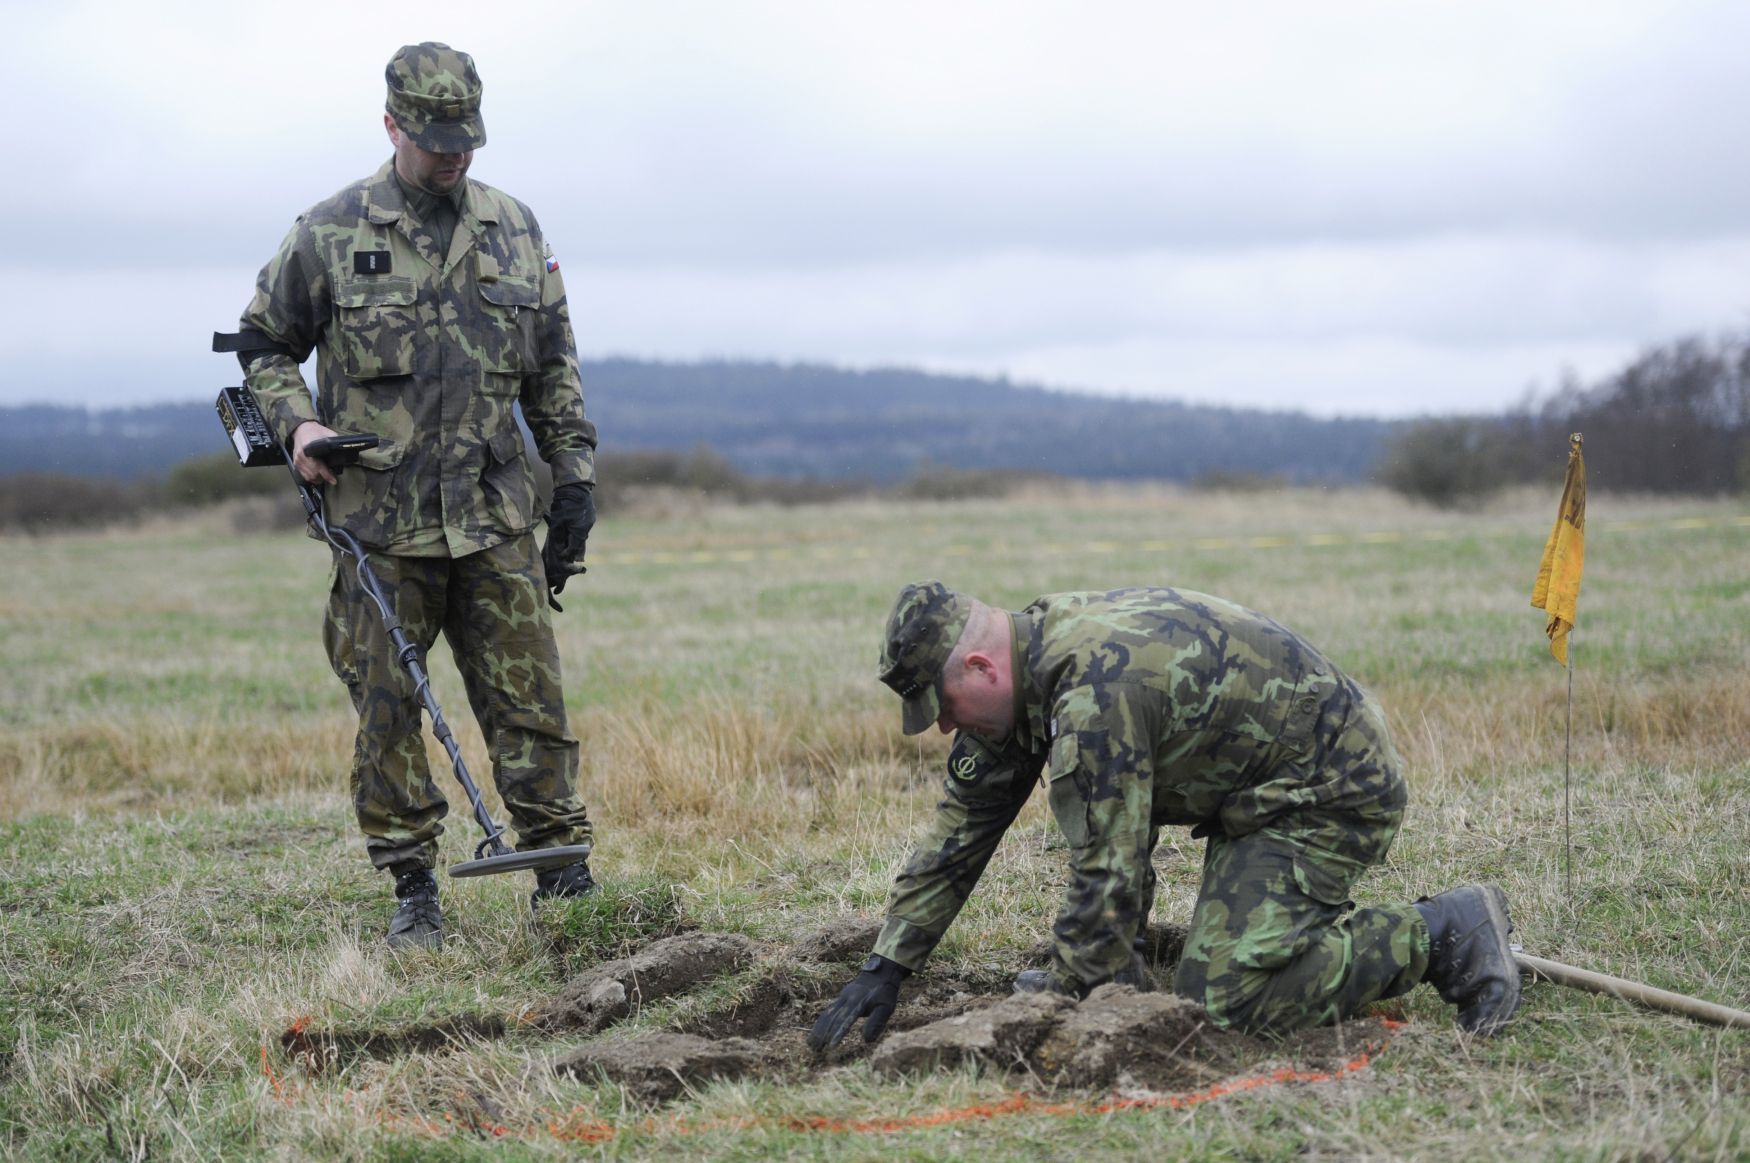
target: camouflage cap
434 96
921 632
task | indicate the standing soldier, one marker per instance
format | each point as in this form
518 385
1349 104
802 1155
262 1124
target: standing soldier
435 307
1147 707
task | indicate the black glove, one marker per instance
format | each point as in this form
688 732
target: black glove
872 993
569 520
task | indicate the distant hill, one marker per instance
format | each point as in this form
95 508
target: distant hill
805 420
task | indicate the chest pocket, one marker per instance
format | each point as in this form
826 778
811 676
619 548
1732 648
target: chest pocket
506 331
378 324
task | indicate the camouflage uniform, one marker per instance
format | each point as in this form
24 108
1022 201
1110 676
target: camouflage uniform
431 347
1151 707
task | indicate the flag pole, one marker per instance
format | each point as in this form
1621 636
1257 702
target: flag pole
1567 773
1557 592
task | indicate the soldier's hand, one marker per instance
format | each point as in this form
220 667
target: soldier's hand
569 520
310 470
873 993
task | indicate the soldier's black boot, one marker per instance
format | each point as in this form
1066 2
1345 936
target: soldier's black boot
1134 975
418 923
1038 981
570 880
1469 959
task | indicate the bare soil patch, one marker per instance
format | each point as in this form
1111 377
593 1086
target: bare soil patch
319 1051
1117 1038
740 1009
610 992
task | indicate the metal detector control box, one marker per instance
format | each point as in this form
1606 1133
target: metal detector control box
247 428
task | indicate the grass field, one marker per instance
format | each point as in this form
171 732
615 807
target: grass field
181 881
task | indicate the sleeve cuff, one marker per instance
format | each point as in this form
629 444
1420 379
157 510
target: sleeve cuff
905 943
572 468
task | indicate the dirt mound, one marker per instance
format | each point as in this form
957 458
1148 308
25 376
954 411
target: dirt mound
321 1050
657 1067
611 991
737 1009
1002 1034
846 940
1117 1037
1121 1038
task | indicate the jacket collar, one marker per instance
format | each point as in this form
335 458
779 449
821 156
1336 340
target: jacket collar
1030 725
386 203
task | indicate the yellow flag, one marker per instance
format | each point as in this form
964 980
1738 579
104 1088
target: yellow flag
1557 590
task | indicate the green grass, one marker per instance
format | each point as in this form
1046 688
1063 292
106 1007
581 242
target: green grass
181 882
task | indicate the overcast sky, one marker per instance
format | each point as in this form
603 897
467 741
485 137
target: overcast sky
1343 207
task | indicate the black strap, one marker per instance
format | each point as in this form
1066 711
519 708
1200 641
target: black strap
249 341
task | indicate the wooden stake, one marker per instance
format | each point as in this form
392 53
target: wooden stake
1617 987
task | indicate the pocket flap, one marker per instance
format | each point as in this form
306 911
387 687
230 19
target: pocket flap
387 454
1320 884
512 291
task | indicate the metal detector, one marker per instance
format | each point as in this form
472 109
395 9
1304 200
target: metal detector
255 445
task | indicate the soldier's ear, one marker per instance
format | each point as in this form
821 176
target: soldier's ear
982 663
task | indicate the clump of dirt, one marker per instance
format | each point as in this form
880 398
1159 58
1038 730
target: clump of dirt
611 991
1117 1037
657 1067
1004 1033
322 1050
1156 1041
755 1023
756 1006
846 940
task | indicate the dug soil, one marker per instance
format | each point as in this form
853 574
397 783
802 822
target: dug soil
733 1008
754 1005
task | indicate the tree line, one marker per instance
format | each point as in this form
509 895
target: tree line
1675 420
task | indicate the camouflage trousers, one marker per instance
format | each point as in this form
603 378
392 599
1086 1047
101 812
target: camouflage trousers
1275 943
491 606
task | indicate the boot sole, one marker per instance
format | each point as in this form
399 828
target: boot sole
1501 923
408 944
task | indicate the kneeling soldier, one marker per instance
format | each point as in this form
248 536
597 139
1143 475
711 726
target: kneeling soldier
1148 707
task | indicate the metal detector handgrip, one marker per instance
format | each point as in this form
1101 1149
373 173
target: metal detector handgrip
339 451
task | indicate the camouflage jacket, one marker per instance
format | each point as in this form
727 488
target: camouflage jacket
1142 708
431 353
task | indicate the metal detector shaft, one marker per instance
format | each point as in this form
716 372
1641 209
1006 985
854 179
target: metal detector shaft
408 655
1617 987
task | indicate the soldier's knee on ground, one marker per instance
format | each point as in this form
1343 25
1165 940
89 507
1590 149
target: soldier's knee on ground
1244 1002
1264 1016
